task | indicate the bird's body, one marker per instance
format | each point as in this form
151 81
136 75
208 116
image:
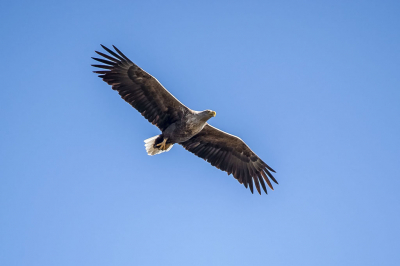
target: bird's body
190 124
179 124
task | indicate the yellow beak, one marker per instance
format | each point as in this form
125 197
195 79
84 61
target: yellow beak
213 113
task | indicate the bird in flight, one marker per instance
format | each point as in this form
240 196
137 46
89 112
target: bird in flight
180 124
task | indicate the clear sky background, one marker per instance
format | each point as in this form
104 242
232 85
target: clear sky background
313 87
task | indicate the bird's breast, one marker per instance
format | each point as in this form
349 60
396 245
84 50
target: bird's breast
183 130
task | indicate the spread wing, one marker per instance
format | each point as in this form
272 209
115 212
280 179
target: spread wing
230 154
139 89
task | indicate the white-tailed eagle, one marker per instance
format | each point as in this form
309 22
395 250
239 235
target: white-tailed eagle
181 125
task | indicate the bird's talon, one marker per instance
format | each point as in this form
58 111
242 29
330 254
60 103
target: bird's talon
162 145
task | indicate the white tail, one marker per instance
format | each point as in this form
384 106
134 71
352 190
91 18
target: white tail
149 144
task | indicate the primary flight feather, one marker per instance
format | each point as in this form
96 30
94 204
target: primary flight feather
179 124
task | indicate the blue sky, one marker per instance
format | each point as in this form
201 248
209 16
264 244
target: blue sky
313 87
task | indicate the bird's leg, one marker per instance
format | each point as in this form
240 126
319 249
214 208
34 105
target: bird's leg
163 144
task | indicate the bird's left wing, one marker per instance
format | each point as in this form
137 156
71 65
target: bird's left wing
139 89
230 154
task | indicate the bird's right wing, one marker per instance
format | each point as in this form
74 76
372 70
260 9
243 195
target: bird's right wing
230 154
139 89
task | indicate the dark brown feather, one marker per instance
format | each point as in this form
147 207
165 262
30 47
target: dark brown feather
104 61
262 182
107 56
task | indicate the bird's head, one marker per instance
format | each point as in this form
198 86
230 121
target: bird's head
211 113
206 114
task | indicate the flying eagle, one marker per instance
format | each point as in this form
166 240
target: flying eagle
179 124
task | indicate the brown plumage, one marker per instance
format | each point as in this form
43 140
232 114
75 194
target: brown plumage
230 154
181 125
139 89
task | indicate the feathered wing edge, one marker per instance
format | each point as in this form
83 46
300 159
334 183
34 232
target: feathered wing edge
141 90
230 154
